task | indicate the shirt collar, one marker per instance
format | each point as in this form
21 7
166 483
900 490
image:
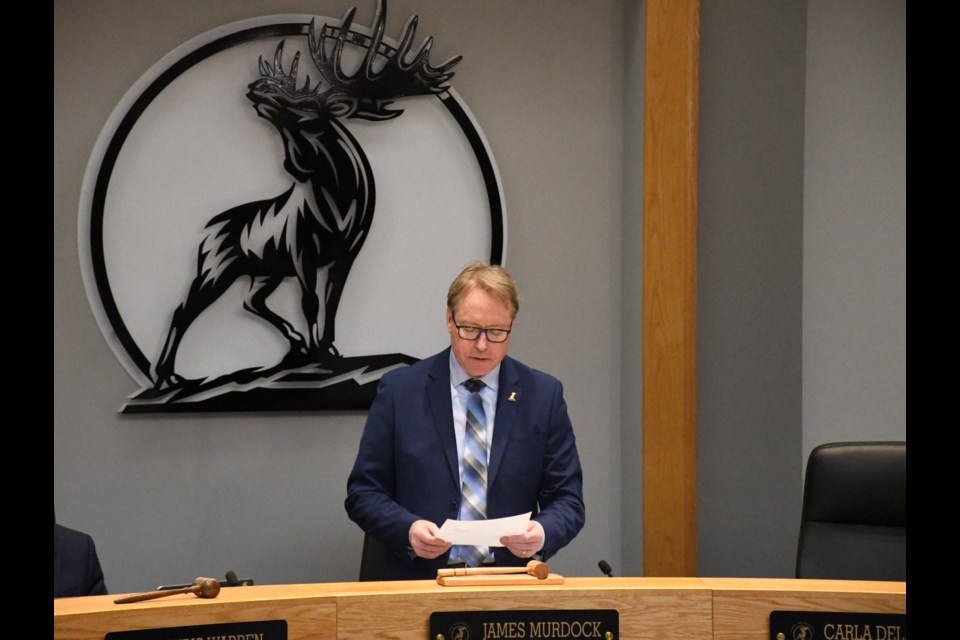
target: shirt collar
458 376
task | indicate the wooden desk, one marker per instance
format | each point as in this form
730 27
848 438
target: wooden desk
741 607
662 608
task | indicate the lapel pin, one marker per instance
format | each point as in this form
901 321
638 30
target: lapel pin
513 397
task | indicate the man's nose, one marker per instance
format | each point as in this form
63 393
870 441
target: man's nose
482 341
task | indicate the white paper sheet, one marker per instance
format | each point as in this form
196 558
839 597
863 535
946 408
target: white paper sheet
483 533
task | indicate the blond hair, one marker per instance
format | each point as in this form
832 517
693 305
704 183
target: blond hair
490 278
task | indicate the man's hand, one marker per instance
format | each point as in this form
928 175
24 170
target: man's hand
527 543
424 541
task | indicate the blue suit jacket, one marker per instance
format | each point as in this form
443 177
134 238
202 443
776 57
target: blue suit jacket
407 467
76 568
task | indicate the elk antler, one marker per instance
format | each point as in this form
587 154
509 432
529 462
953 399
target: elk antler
285 81
375 89
368 92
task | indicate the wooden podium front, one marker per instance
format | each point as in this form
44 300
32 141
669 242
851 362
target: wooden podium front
662 608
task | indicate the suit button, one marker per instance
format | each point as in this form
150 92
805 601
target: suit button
453 506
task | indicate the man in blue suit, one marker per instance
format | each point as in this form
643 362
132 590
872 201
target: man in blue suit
411 473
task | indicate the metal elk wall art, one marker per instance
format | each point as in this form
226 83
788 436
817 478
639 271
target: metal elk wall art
287 224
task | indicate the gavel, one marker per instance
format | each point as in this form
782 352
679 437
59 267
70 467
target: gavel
201 587
535 568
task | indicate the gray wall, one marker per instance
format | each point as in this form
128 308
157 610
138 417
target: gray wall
631 301
855 223
749 283
802 248
169 498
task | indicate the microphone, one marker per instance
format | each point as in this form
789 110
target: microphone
605 567
231 581
234 581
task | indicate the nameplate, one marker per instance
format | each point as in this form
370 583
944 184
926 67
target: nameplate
831 625
260 630
529 624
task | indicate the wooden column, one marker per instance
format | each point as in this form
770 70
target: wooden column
671 85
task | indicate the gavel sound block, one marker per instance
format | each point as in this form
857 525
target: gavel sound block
201 587
535 572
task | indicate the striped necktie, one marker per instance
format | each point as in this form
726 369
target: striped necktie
474 469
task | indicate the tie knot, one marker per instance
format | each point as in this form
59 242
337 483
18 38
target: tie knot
474 385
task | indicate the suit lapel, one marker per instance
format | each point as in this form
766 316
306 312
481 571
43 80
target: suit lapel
507 399
438 398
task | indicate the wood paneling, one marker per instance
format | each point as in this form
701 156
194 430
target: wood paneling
664 612
670 288
310 618
741 609
663 608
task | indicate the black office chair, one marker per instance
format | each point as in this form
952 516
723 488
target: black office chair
854 523
371 559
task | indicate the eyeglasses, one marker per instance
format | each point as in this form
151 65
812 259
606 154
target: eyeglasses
473 333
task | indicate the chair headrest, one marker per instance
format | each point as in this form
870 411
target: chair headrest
857 483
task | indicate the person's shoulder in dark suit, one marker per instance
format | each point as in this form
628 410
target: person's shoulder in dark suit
525 371
418 370
76 567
